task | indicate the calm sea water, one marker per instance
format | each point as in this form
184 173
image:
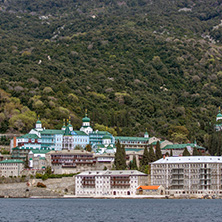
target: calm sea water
112 210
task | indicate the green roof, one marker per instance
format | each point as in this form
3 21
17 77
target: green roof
42 158
100 145
154 143
40 151
125 138
38 122
12 161
129 149
99 133
51 131
182 146
29 136
67 132
80 133
106 136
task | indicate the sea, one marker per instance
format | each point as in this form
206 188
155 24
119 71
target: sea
110 210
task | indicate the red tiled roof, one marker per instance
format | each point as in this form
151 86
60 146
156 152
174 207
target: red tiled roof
148 187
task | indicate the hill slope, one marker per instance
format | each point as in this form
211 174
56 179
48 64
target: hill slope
133 64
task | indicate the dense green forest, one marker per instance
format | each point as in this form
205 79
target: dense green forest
133 64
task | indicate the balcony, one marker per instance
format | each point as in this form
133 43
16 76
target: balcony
120 179
120 184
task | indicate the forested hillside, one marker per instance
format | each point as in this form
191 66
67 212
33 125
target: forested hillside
133 64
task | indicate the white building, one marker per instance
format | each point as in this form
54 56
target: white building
109 183
188 175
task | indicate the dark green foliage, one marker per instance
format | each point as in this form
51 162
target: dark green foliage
195 152
158 151
26 164
88 148
215 144
4 140
186 152
120 157
145 159
171 152
167 154
133 164
151 154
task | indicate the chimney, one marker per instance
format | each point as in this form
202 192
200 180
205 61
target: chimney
14 142
164 156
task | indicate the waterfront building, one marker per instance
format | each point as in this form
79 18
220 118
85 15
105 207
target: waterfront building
150 190
11 168
109 183
188 175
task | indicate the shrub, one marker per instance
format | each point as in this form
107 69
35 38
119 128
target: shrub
41 185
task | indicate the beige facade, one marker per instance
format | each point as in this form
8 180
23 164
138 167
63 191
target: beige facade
11 167
188 175
73 161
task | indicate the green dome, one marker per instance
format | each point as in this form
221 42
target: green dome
86 119
38 122
219 115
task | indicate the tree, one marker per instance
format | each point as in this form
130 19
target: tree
88 148
171 152
120 157
26 163
186 152
145 158
167 154
133 163
151 154
158 151
78 147
195 152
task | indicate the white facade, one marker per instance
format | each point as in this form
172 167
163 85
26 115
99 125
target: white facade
188 175
108 183
86 129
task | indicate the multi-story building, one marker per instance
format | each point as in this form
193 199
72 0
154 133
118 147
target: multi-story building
71 161
177 149
11 168
109 183
188 175
22 152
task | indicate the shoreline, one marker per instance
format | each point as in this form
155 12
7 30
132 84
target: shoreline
158 197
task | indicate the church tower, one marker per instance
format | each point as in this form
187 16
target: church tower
38 125
86 125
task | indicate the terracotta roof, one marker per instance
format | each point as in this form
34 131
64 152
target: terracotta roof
148 187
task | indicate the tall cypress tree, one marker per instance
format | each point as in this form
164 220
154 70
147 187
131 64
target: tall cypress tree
151 154
120 157
171 152
133 165
158 151
145 158
186 152
195 152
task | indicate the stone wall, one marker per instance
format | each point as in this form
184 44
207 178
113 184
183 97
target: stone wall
54 187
